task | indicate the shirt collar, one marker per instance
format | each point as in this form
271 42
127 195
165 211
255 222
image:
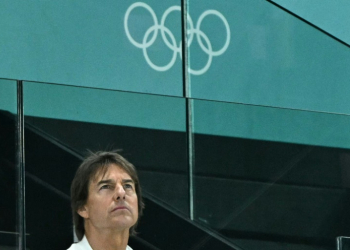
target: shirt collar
85 244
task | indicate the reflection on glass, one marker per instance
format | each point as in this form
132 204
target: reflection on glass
269 178
68 121
256 53
8 174
343 243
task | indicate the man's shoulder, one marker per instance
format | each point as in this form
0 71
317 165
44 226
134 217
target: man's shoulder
74 247
81 245
78 246
84 245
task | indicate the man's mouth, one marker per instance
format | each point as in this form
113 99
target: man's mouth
120 208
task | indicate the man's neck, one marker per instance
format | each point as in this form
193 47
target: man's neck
107 239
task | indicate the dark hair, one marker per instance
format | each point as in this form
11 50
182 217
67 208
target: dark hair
95 163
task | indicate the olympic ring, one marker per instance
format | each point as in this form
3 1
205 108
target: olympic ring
169 65
177 49
206 67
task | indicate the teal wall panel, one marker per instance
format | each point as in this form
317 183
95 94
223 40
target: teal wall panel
264 56
273 59
84 43
104 106
8 96
330 16
271 124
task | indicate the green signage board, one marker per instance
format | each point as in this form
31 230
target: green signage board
254 52
331 17
90 43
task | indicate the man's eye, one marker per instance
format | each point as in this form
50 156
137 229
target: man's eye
128 186
106 187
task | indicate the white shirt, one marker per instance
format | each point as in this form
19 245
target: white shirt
84 245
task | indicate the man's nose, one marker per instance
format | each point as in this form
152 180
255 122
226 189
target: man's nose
119 193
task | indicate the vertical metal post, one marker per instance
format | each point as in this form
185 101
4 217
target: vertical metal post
189 104
21 225
186 83
191 159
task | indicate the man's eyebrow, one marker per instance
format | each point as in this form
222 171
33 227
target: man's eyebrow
108 181
127 181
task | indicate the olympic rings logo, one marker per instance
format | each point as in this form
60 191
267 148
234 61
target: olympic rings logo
177 49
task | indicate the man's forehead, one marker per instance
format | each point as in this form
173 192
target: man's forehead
107 171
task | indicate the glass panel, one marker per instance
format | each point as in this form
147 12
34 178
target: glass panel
320 17
343 243
8 167
66 121
254 52
119 42
269 178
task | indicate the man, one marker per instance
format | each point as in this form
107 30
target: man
106 202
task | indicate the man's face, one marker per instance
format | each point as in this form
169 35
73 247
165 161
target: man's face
112 201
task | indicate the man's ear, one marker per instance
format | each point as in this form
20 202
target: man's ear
83 212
